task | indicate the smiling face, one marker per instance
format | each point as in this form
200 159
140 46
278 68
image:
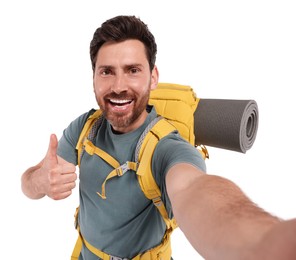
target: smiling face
122 83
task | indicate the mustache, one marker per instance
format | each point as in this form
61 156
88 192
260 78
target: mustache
123 95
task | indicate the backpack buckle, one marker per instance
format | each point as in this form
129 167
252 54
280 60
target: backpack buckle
117 258
122 169
125 167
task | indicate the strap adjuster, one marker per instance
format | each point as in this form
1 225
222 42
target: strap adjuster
157 201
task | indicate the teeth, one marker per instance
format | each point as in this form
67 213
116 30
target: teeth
120 101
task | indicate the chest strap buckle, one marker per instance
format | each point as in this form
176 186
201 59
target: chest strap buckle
117 258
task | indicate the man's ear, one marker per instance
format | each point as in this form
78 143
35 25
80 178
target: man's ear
93 80
154 78
93 85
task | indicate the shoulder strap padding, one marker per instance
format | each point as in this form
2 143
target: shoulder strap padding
145 176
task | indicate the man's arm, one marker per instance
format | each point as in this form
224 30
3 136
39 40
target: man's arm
221 222
53 176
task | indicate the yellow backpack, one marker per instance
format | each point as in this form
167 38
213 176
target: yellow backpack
175 104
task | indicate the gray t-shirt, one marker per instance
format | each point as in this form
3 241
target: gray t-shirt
126 223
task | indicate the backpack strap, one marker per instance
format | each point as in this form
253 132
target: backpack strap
160 128
89 130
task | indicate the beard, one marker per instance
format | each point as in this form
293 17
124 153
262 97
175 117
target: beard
124 119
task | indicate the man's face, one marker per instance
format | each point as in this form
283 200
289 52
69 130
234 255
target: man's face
122 83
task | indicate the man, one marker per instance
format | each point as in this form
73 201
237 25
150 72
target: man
218 219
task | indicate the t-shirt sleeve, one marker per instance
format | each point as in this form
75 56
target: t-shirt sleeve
171 150
67 143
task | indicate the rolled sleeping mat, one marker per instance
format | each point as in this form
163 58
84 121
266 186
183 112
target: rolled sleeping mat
227 124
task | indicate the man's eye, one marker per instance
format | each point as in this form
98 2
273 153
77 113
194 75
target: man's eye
106 72
134 70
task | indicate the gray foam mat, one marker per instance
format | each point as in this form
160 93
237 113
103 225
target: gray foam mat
226 124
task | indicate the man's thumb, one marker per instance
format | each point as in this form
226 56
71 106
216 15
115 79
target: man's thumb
52 148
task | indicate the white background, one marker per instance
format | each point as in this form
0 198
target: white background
223 49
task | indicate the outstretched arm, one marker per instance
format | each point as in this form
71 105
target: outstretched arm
53 176
221 222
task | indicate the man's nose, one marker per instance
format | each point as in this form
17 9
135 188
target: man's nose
119 84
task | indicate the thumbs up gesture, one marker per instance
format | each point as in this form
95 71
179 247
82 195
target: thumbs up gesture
53 176
58 175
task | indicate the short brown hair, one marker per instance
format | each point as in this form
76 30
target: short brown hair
122 28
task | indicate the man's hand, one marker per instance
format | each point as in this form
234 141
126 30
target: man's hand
53 176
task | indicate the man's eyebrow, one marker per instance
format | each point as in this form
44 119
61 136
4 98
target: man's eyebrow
105 67
132 65
126 66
